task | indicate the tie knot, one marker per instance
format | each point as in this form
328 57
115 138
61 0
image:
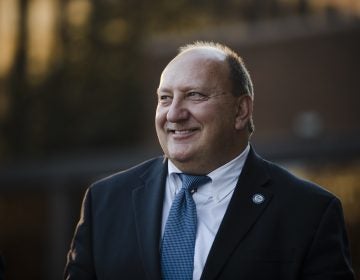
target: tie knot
192 182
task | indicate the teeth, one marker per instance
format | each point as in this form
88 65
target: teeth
181 131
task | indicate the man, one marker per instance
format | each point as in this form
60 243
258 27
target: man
253 220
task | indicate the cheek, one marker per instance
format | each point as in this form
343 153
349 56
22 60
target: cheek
221 122
160 117
213 114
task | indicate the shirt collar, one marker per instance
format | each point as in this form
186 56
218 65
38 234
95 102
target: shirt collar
223 179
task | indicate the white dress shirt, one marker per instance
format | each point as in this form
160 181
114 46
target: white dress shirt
211 199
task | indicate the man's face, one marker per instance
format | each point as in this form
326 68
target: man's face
196 117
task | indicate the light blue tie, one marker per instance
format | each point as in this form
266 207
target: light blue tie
178 243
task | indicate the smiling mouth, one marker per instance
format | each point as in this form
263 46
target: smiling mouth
181 132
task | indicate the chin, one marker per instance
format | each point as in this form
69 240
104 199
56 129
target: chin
179 157
180 152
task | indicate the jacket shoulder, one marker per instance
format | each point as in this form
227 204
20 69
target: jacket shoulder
131 176
295 184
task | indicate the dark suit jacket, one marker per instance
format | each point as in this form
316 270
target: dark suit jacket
296 233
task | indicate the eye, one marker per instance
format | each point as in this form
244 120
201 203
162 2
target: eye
164 98
196 96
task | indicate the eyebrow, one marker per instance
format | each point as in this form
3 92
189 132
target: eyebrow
185 89
163 90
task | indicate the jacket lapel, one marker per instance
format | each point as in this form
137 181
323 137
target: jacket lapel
147 205
241 214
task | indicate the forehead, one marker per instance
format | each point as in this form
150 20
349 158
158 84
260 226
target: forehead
196 67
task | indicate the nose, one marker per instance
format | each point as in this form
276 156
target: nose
178 111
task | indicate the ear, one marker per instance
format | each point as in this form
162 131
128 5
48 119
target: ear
244 112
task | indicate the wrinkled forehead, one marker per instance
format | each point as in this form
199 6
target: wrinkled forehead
203 69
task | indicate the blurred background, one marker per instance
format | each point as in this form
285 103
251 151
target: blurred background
77 99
